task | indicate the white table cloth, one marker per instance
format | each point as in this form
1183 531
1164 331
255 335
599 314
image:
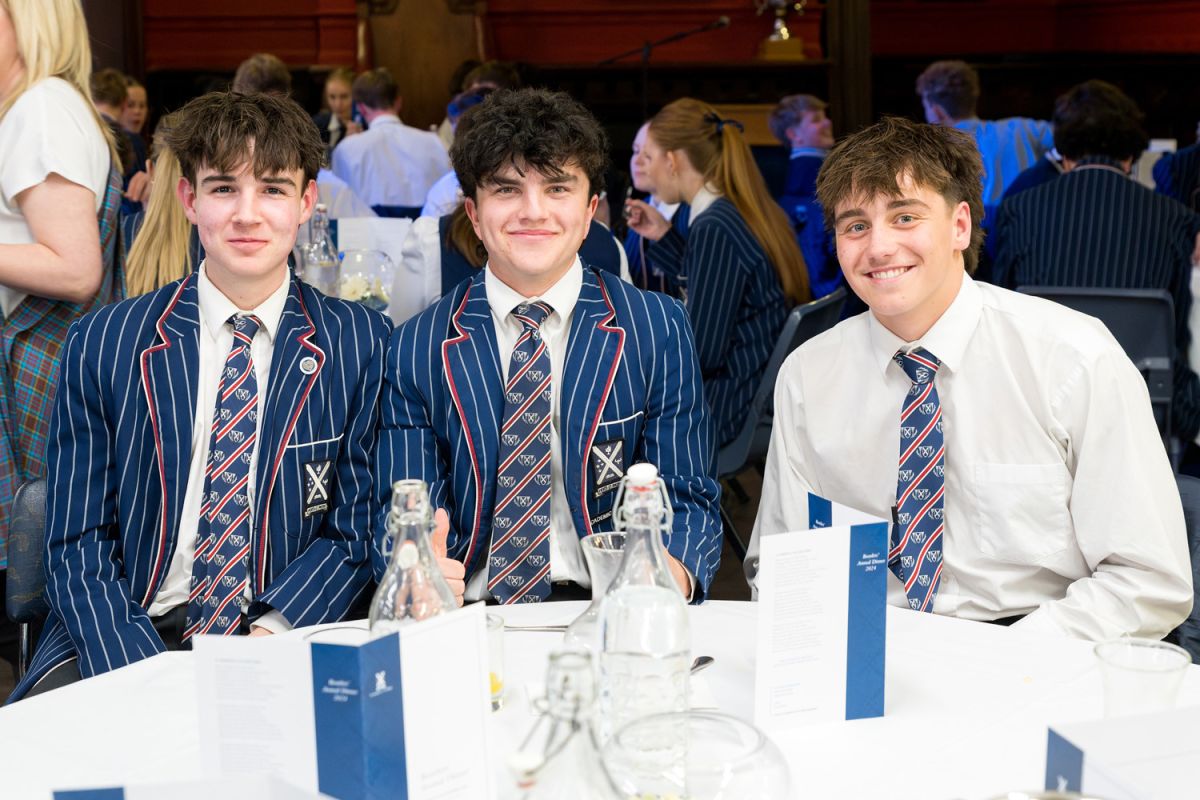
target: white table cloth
974 700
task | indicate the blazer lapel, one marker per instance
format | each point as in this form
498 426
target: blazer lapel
169 367
593 355
472 367
296 364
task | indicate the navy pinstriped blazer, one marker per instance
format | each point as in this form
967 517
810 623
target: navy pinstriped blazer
630 376
120 449
736 305
1177 175
1096 227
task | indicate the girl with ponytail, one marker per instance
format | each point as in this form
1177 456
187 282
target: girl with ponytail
739 263
162 244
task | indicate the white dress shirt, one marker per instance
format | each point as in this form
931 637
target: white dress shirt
444 196
1060 503
390 163
339 198
216 340
566 556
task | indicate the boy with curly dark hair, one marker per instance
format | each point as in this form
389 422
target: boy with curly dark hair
522 396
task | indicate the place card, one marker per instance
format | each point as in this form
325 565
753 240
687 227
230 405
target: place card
352 717
1143 757
822 619
246 787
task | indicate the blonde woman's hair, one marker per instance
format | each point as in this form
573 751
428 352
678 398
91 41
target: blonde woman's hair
161 253
716 148
52 40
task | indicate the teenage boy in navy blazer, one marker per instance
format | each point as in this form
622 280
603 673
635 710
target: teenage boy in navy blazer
523 395
210 448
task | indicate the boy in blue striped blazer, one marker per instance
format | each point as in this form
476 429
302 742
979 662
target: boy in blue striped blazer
210 448
523 395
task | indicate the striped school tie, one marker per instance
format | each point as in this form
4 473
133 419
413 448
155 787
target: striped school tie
519 558
220 569
916 552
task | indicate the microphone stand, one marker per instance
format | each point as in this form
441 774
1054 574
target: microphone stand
648 47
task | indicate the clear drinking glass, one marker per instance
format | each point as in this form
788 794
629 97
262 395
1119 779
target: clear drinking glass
495 640
603 553
724 758
366 276
1140 675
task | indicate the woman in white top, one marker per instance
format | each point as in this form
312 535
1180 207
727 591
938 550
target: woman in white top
56 177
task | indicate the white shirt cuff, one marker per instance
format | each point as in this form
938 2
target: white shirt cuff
272 621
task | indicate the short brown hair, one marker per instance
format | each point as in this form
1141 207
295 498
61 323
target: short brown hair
790 112
1096 118
222 130
953 85
871 162
108 87
262 72
376 89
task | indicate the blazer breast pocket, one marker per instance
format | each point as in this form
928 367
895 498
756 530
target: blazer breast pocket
308 476
1022 511
614 448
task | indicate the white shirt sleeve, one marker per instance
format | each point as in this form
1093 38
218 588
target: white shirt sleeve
1140 582
784 503
418 278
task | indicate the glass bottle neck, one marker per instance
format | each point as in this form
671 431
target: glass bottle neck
645 561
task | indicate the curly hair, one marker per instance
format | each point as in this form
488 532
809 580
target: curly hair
222 130
953 85
872 162
1096 118
528 128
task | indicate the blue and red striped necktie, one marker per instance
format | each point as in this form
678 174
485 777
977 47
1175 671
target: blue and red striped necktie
916 552
519 557
220 568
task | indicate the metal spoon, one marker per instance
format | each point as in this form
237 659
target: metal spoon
702 662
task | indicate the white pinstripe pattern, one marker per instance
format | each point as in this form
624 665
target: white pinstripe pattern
108 547
655 403
735 303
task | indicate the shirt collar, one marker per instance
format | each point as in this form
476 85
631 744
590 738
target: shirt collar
386 119
703 199
562 296
216 308
947 339
820 152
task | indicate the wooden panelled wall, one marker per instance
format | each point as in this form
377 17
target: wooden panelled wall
423 42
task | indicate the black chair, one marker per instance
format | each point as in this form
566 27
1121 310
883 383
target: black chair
1187 635
398 212
1143 321
752 441
25 596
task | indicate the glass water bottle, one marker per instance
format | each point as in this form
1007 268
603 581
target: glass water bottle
558 758
413 587
644 636
320 267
